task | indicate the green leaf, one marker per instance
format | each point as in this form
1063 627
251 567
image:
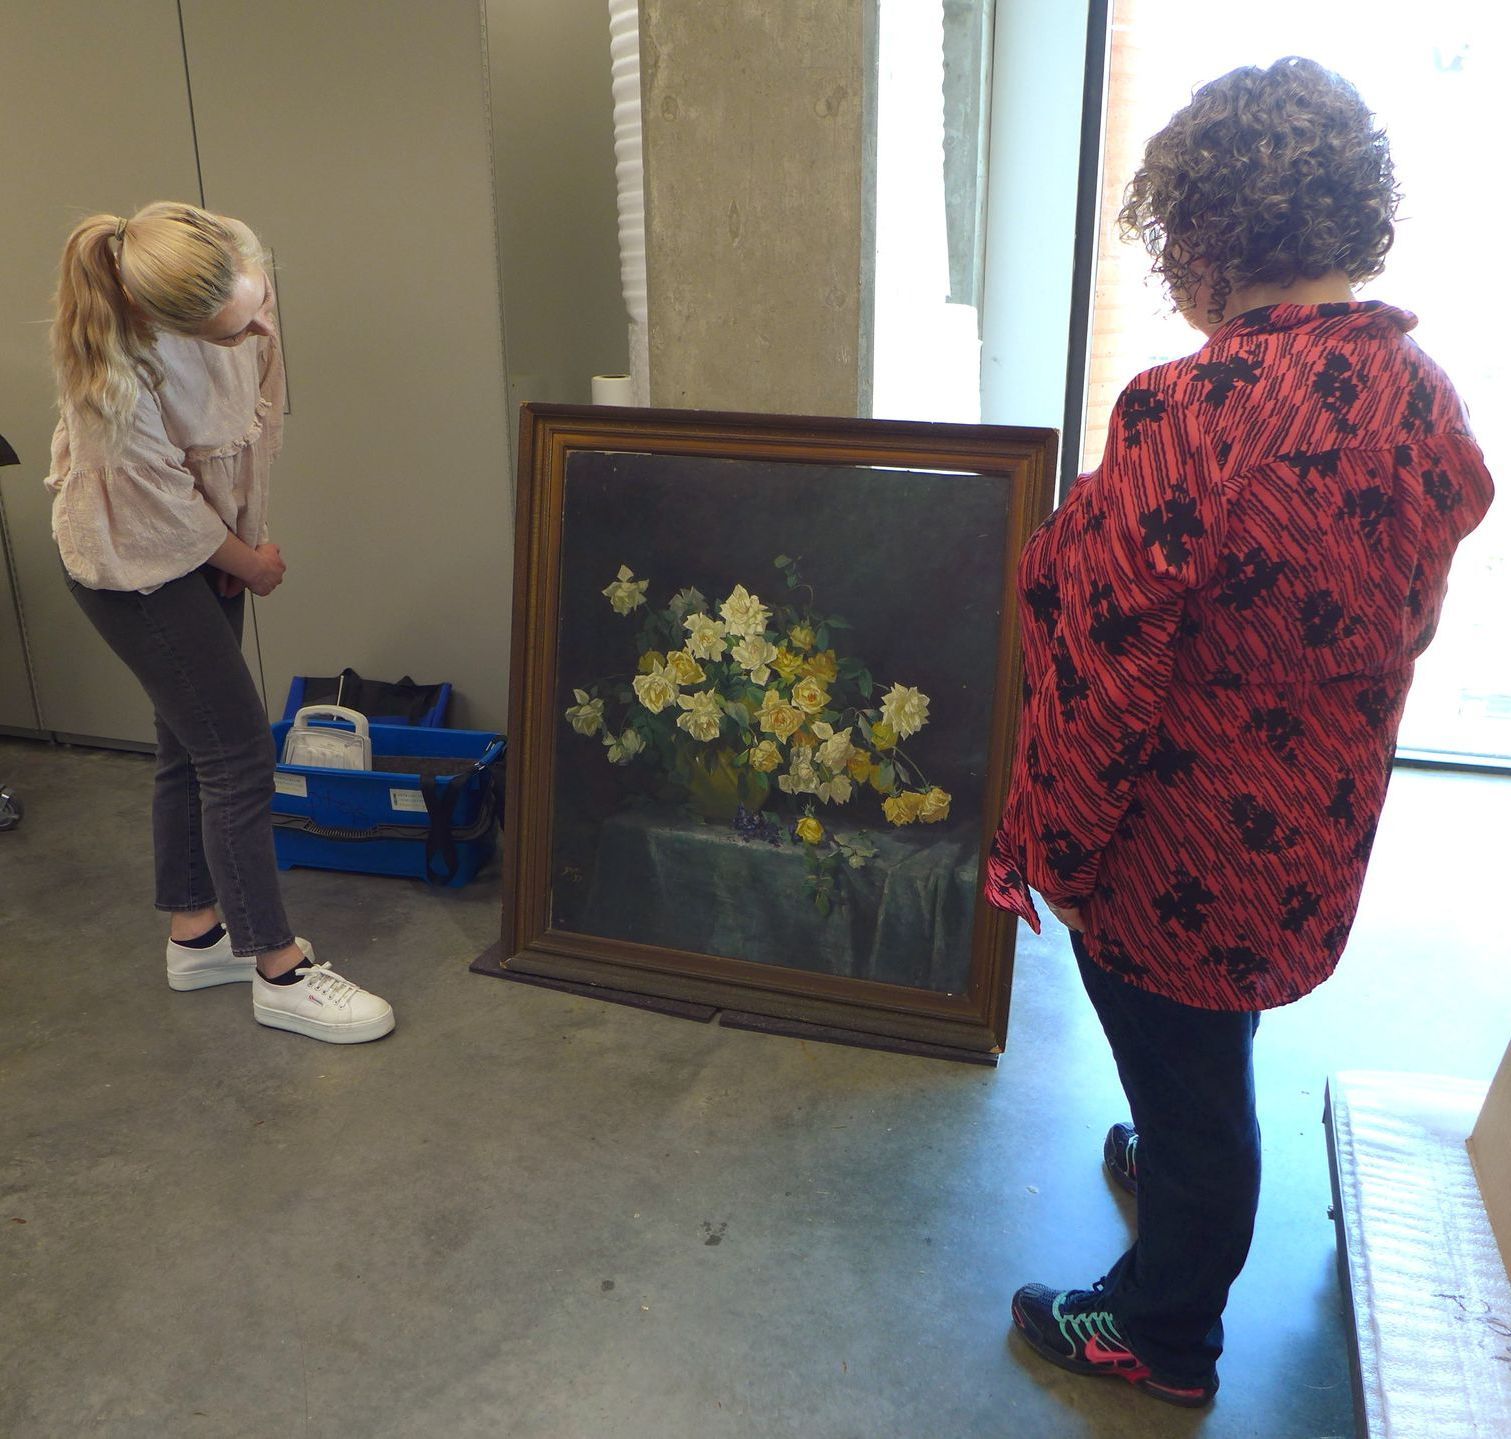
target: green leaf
791 580
887 774
822 638
822 904
865 684
836 623
782 561
865 727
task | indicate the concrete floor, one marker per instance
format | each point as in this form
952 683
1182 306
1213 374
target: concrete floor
530 1215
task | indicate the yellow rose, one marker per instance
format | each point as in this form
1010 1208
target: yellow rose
778 717
684 667
822 666
810 696
787 664
883 736
765 757
809 830
935 806
902 808
651 660
859 766
802 637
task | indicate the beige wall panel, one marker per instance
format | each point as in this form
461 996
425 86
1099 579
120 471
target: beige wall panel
353 137
754 122
93 116
16 708
558 224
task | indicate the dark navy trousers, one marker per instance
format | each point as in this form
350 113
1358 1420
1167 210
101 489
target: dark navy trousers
1189 1077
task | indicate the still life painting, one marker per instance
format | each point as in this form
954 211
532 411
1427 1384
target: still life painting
778 692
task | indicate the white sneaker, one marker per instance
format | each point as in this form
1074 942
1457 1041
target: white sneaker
190 968
321 1005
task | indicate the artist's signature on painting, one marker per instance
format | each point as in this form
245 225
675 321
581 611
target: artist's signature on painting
1477 1309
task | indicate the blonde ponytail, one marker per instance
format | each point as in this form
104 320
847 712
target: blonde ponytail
99 342
171 266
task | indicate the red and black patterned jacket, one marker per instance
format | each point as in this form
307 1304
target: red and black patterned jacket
1219 629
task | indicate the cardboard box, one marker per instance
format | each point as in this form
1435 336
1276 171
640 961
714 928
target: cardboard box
1490 1150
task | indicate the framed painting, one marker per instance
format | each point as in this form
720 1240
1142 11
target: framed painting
763 699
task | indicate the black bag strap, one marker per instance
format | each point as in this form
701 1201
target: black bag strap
440 806
440 842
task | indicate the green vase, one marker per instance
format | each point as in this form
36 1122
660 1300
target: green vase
717 786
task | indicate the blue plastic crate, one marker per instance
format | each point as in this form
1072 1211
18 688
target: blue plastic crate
419 823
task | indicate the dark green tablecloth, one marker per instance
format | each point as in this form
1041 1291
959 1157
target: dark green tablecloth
666 879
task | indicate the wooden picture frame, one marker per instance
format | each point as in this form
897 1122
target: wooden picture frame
609 882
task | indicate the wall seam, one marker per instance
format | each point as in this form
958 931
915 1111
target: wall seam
511 418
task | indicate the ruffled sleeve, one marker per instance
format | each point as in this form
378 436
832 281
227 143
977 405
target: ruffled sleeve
132 518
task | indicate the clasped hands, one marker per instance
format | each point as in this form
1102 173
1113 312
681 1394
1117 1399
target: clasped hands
266 578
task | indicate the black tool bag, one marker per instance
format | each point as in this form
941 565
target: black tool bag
400 701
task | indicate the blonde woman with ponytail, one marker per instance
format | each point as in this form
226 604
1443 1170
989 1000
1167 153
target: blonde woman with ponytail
170 388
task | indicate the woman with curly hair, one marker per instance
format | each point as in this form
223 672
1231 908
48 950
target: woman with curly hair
1220 626
170 386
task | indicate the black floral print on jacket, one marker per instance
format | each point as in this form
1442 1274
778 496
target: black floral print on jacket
1219 629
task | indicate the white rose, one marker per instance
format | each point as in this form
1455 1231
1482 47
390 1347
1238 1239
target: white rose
623 749
754 655
801 777
705 636
905 709
657 689
703 714
836 750
744 614
835 791
626 593
586 715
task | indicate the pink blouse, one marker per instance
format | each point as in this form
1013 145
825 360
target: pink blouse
193 465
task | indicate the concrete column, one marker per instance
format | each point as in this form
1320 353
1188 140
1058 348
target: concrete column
758 231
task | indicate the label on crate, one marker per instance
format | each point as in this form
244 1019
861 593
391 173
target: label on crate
290 784
407 799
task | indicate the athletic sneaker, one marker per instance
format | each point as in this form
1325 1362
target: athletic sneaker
321 1005
190 968
1120 1155
1073 1329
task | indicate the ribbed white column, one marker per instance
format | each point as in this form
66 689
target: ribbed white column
624 51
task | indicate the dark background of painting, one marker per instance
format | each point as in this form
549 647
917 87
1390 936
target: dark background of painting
913 561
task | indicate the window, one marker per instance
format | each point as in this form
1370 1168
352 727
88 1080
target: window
1436 75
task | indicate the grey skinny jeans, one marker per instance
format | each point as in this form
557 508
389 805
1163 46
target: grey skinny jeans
212 828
